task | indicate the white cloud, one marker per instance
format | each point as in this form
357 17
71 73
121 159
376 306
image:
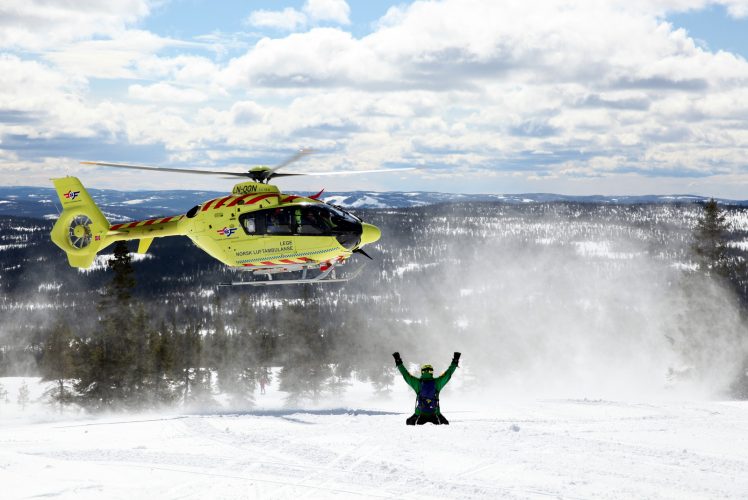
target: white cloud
188 69
313 12
39 101
336 11
40 24
164 92
246 112
736 8
320 57
288 19
110 58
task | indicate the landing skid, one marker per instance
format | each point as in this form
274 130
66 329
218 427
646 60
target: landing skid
326 276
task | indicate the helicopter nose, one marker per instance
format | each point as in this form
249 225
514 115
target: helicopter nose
369 234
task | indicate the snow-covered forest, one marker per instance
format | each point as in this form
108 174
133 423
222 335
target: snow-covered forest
569 299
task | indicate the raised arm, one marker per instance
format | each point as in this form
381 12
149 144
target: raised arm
442 379
409 379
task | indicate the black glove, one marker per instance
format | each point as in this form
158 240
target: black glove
398 359
456 357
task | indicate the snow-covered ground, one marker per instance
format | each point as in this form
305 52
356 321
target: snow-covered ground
518 449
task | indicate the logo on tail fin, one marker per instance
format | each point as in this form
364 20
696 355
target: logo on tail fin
71 195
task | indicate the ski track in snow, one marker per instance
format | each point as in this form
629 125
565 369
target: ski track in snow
535 449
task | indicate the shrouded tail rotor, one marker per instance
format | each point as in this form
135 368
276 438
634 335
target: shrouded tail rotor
79 231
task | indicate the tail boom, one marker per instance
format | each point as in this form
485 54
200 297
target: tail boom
146 230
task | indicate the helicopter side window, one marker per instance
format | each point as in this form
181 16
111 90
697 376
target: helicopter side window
253 223
278 221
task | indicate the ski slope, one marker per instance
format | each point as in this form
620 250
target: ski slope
520 449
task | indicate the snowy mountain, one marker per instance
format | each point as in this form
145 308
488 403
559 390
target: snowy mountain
120 205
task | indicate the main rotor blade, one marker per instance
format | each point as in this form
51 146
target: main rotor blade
284 175
299 154
165 169
353 172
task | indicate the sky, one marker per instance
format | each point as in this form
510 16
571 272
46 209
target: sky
580 97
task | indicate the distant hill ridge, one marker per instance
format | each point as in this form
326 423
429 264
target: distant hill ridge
40 202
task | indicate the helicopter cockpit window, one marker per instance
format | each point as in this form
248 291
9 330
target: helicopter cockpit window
342 221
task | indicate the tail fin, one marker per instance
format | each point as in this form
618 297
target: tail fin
81 229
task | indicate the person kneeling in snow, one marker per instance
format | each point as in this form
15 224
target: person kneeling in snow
427 390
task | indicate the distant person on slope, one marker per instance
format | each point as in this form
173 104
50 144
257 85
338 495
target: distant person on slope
427 391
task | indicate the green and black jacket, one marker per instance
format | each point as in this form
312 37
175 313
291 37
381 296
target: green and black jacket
415 382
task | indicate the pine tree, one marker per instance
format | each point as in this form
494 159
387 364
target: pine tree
381 376
187 366
3 393
296 355
57 363
710 240
137 382
306 368
23 395
291 377
265 344
238 374
217 347
241 359
123 281
201 390
107 356
318 376
161 346
338 381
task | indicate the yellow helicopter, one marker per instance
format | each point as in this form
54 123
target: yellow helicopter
255 228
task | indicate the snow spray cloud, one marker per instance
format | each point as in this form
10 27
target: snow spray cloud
562 306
